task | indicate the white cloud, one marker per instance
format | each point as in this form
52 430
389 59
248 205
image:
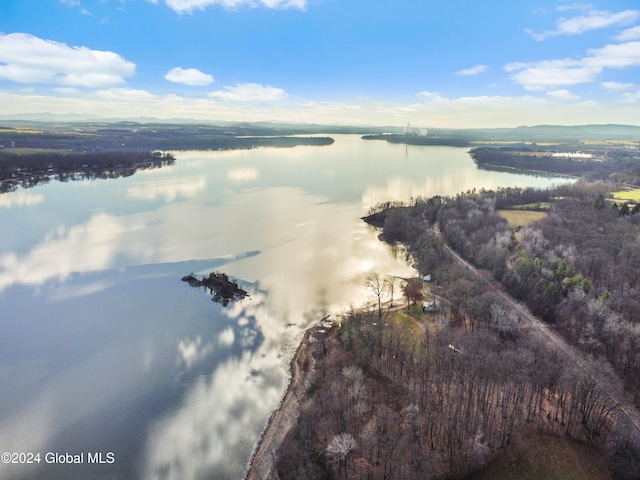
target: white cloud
242 174
189 76
614 56
574 6
473 70
25 58
563 94
60 254
193 351
551 73
169 189
188 6
617 86
124 94
632 96
629 34
226 337
249 92
66 90
430 96
198 438
595 19
564 72
430 108
20 198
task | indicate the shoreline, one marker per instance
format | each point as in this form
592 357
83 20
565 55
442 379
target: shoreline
282 419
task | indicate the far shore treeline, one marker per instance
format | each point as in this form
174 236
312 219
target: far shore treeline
32 153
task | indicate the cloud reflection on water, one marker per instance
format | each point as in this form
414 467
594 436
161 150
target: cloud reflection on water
169 189
200 438
222 413
20 198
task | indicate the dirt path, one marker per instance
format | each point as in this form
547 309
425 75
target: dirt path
627 410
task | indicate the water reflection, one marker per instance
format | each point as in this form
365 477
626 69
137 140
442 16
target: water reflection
168 189
20 198
103 347
200 440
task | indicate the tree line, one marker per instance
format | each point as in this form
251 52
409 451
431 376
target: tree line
614 162
27 170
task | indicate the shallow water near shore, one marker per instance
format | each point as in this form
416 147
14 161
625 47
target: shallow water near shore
104 349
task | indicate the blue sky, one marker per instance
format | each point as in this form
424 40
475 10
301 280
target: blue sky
456 63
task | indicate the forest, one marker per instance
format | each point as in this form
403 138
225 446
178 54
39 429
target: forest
578 268
34 153
384 402
618 162
544 137
28 170
128 136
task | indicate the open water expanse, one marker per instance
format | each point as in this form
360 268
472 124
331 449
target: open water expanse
104 350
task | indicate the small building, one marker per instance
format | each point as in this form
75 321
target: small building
427 277
429 306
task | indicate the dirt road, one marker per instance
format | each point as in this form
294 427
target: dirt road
625 408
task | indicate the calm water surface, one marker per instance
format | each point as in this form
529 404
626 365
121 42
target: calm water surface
104 349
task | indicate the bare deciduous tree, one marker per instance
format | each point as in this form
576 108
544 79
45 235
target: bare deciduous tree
377 287
339 447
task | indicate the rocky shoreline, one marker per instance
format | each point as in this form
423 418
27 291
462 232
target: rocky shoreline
262 463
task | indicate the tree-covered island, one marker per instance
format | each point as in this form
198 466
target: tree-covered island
220 285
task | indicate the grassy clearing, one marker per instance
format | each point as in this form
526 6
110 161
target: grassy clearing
23 131
410 320
31 151
610 142
522 218
548 458
629 195
532 206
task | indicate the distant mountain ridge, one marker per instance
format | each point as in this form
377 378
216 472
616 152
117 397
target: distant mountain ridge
534 133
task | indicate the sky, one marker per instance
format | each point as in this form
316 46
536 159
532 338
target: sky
449 64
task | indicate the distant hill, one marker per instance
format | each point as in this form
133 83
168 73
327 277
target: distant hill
559 134
610 131
48 120
535 133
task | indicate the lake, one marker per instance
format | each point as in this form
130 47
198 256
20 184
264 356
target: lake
104 350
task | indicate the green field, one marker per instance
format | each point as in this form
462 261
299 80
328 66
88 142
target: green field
31 151
533 206
26 131
406 319
524 218
547 458
629 195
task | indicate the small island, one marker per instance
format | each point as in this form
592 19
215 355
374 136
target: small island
220 285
